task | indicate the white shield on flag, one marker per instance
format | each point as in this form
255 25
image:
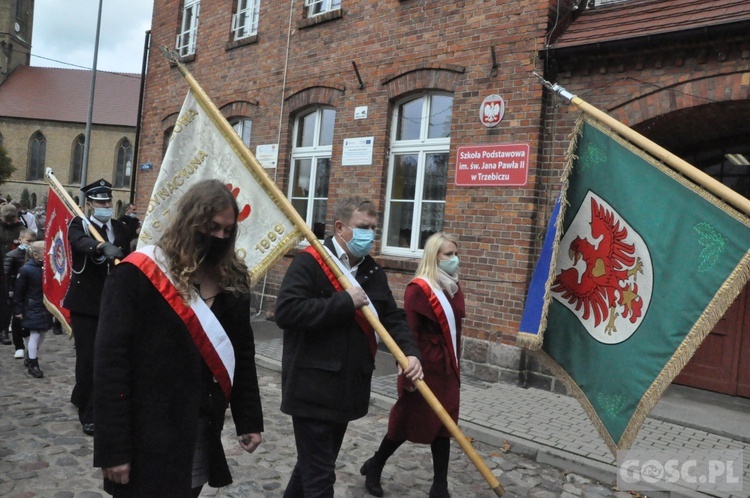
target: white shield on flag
606 276
198 151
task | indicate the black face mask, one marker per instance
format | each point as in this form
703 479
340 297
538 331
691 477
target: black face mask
211 249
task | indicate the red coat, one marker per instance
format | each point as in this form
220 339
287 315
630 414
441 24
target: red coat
411 417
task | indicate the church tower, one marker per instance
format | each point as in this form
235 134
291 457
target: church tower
16 25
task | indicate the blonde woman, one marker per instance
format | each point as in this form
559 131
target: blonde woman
434 307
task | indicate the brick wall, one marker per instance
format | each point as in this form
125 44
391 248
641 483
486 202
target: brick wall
408 46
399 47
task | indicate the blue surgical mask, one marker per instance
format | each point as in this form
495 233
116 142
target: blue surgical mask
449 266
23 247
103 214
361 243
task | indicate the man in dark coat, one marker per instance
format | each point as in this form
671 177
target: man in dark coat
130 218
10 229
92 262
328 358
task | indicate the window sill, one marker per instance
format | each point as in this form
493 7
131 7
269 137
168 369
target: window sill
250 40
389 263
320 19
397 263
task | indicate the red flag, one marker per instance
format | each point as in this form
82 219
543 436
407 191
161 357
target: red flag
58 263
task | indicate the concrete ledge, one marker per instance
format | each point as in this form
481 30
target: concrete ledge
602 472
269 363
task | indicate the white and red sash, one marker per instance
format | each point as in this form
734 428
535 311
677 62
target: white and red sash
444 313
205 330
360 318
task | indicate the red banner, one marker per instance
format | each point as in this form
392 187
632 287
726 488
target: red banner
58 263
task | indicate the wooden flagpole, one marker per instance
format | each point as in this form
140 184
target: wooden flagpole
281 201
71 204
699 177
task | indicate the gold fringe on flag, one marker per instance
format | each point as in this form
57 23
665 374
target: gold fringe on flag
534 341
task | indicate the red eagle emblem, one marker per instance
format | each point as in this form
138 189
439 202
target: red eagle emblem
604 288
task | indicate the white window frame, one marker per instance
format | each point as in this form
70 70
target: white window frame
421 147
312 153
599 3
243 127
123 163
185 42
245 21
318 7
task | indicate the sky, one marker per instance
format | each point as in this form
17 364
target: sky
65 34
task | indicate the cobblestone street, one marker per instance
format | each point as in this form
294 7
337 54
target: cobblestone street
43 452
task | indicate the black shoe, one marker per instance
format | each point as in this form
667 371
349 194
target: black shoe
34 369
57 329
4 338
372 471
439 491
88 429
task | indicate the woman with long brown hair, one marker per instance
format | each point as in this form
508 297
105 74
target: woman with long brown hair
174 348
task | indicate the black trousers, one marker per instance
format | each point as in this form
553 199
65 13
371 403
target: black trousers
17 332
84 333
318 444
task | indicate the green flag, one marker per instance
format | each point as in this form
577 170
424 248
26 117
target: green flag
644 266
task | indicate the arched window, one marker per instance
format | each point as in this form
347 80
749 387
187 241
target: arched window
311 166
242 126
76 159
123 164
165 141
37 156
417 173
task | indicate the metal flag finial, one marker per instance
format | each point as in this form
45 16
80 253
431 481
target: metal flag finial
171 55
562 92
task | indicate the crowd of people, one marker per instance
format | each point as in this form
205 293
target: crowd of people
164 344
23 316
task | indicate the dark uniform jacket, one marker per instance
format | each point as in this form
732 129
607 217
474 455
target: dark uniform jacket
28 297
151 383
326 362
89 267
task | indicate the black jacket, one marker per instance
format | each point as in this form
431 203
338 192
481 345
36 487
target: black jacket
132 223
150 382
28 297
12 262
326 362
89 267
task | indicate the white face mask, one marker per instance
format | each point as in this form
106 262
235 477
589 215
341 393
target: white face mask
103 214
449 266
361 243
